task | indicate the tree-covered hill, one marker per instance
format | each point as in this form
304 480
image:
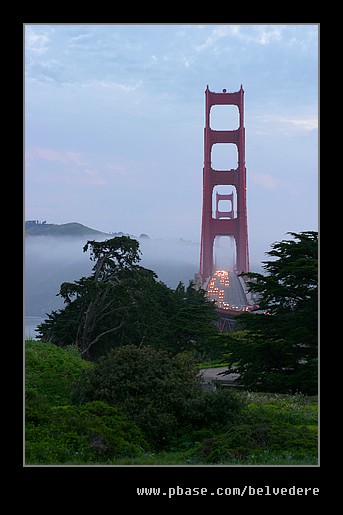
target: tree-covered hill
36 228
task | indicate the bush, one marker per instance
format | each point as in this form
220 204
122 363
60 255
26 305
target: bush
57 433
50 371
213 409
92 433
37 409
160 393
285 425
147 383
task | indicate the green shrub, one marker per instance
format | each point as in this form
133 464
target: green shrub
37 409
148 384
160 393
50 370
213 409
91 433
283 425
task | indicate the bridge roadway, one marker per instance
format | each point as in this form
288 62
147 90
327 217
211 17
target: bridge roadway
226 290
209 377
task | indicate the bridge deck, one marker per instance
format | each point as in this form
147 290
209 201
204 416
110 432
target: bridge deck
226 290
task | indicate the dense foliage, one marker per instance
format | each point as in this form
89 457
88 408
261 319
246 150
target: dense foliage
92 433
278 351
122 303
160 393
50 370
222 426
273 429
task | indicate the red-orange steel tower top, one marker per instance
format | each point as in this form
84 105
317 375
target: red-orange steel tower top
231 225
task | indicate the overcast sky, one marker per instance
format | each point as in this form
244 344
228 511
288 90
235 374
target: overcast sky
114 122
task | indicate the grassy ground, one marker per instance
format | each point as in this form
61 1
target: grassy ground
273 429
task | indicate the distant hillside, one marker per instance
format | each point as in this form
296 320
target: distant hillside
36 228
54 254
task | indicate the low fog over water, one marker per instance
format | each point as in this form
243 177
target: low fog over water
49 261
52 260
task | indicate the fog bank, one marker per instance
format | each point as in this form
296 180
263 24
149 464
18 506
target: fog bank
50 261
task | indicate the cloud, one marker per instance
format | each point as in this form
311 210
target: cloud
265 35
215 35
61 156
81 37
92 176
36 43
260 34
113 86
70 167
267 181
285 124
270 183
304 124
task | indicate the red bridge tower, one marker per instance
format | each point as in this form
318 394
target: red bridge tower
224 223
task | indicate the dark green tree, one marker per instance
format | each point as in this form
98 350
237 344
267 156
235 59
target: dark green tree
97 306
122 303
276 348
191 326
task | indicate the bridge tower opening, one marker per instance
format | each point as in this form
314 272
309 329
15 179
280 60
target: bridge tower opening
233 220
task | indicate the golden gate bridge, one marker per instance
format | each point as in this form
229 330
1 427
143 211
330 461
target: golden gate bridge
224 285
